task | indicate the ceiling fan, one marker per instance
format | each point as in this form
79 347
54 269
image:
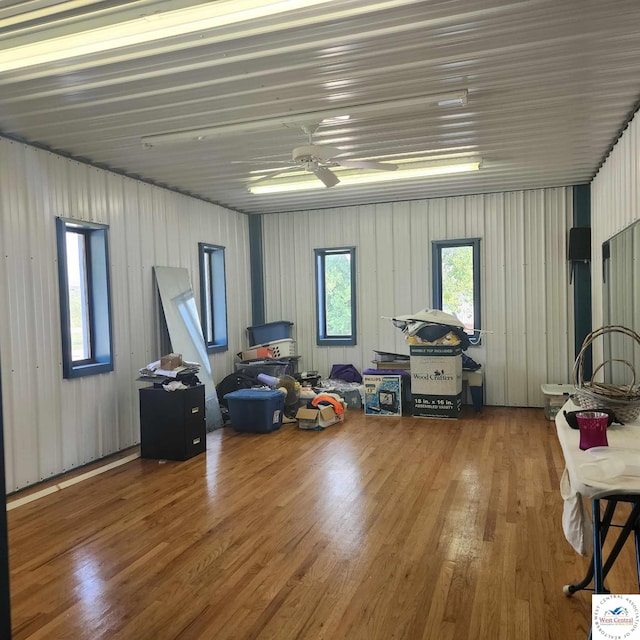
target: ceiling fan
319 158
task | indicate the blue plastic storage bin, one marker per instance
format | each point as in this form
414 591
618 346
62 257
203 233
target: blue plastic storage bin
255 410
263 333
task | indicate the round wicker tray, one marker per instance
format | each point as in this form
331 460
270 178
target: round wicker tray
623 400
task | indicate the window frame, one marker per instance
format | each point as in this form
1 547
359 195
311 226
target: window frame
436 258
213 306
96 255
322 338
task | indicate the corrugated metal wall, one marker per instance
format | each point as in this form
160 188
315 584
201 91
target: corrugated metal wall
615 204
526 301
51 424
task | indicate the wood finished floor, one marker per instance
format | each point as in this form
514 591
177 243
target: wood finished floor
379 529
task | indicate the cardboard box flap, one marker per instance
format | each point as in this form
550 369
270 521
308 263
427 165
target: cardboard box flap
306 414
327 413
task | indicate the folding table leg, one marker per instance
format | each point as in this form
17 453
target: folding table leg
598 579
597 570
570 589
636 535
626 529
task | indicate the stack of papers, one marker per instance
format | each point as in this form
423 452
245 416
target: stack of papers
153 370
385 356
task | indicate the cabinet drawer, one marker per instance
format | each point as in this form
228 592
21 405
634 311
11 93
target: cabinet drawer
193 404
195 438
172 424
193 411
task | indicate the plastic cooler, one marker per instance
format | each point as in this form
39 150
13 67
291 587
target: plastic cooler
255 410
555 396
261 334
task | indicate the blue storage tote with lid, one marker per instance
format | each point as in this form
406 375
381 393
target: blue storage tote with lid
255 410
263 333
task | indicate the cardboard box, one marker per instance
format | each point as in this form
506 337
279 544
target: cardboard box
256 354
436 370
171 361
436 381
424 406
317 419
382 395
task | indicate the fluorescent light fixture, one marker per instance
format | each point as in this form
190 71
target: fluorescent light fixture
441 154
454 101
367 178
336 119
149 28
290 119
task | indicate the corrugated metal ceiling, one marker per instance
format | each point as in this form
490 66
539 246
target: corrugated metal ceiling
549 85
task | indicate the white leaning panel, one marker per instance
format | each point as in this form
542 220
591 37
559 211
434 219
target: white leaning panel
52 425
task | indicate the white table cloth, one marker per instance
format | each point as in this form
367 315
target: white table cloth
595 473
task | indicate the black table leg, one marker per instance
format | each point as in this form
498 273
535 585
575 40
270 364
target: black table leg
603 526
598 578
598 570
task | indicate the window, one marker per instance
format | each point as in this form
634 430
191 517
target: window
85 300
456 282
213 297
336 296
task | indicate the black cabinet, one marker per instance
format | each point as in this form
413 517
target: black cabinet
172 424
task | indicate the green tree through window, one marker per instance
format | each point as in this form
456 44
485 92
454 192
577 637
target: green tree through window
335 296
338 294
456 281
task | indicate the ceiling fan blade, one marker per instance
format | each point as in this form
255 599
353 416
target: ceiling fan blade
271 173
271 162
328 177
367 164
325 153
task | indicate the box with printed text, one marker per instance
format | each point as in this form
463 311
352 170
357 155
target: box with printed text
436 380
382 395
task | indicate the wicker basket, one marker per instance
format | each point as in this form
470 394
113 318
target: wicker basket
623 400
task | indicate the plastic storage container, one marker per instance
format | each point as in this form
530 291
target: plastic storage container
282 348
260 334
555 396
255 410
275 368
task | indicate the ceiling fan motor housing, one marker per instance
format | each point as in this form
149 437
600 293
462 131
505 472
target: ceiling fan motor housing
312 153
